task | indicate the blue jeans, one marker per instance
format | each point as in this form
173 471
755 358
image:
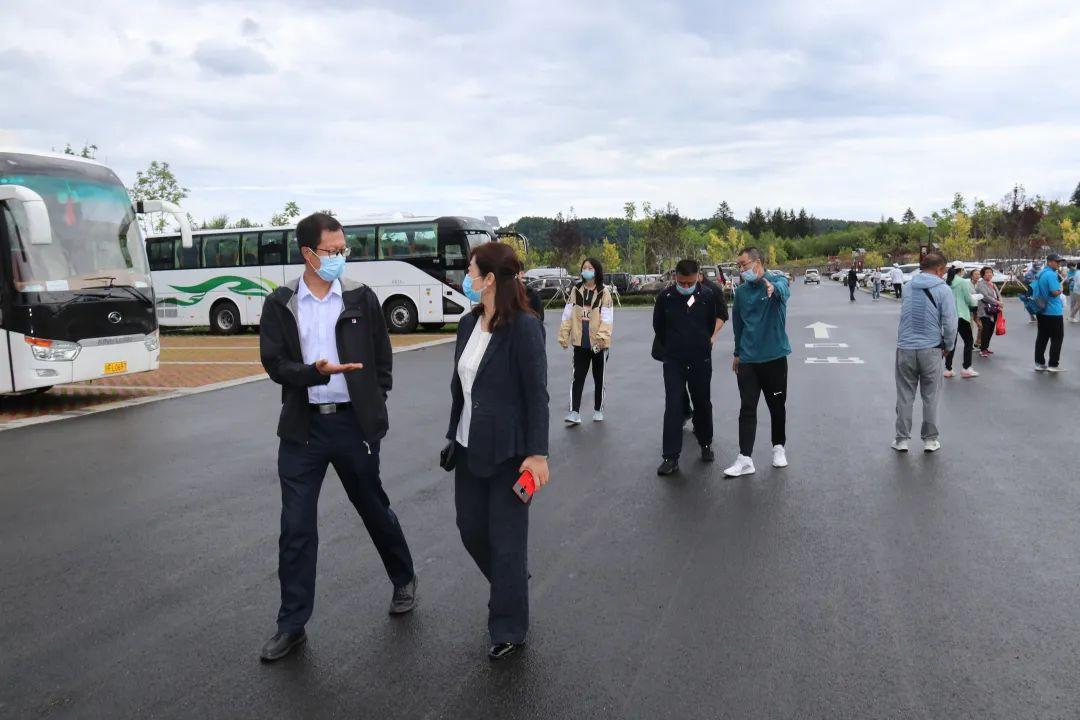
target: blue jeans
877 290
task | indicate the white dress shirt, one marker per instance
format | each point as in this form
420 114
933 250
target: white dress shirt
468 364
318 320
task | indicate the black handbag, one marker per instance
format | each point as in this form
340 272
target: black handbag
448 456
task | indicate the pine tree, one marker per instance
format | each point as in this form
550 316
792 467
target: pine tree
909 217
1075 200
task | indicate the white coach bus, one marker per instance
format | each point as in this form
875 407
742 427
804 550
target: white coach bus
415 266
75 294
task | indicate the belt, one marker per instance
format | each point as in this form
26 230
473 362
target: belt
329 408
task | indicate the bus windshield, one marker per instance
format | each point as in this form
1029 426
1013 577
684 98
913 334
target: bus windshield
96 241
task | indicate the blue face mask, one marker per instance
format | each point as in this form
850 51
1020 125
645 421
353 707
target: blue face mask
684 290
330 268
587 275
467 288
749 276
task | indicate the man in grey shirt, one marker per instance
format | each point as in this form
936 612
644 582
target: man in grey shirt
926 334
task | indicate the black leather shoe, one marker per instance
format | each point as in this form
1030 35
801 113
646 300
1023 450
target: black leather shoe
669 466
707 454
504 650
404 599
281 645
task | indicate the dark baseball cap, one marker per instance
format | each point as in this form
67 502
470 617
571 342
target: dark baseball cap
1054 257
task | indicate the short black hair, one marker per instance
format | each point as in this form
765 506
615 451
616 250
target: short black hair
753 253
932 260
687 267
309 230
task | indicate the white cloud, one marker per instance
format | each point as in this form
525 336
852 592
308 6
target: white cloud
847 108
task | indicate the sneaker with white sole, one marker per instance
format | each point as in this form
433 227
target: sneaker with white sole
899 445
1054 369
931 446
573 418
1040 368
968 373
949 373
779 457
598 416
742 466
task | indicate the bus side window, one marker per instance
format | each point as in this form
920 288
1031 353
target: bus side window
295 258
249 249
162 255
361 242
189 257
221 251
270 247
409 241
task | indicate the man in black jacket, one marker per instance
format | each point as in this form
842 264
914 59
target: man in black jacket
324 340
686 321
722 317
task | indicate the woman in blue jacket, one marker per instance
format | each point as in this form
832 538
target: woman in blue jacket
499 427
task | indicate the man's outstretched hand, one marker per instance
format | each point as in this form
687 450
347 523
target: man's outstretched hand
325 367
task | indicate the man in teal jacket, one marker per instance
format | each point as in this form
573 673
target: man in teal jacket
759 317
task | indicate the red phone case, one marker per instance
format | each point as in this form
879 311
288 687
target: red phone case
525 487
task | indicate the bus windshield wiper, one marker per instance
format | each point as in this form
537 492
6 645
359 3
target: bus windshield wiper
110 278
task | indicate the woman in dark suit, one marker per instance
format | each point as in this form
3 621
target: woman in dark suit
499 422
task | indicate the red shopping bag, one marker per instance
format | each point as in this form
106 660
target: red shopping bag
1000 329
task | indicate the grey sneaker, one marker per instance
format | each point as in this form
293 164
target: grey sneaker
931 445
404 599
1040 368
899 445
573 418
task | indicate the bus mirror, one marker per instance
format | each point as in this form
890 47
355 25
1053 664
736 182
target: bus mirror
152 206
38 226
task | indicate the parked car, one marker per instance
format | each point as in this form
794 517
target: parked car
550 286
811 276
620 280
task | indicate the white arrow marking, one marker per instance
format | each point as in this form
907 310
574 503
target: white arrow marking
833 360
826 345
821 330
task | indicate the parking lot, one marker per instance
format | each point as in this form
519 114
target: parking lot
190 363
140 551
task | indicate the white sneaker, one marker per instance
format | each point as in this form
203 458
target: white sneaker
573 418
1055 369
949 373
1040 368
931 446
968 374
598 416
742 466
779 457
900 445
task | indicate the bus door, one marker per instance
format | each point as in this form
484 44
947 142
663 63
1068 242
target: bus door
272 260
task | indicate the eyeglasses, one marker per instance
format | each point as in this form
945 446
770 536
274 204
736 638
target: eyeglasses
744 266
343 253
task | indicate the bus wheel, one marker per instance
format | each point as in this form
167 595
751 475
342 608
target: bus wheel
400 315
431 327
224 318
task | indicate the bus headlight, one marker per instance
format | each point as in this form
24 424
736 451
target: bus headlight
53 349
152 341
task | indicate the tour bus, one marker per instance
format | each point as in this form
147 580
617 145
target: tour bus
415 265
76 301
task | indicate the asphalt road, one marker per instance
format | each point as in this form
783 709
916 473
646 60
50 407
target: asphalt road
139 555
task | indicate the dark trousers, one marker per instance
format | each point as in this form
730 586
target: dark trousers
963 329
1051 330
755 379
583 359
336 440
898 288
679 376
989 327
851 290
494 527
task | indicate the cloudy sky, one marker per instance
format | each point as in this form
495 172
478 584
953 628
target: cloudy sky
851 109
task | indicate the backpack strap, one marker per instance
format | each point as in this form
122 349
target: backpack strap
930 296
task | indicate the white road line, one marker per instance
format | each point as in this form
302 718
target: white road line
826 345
832 360
176 393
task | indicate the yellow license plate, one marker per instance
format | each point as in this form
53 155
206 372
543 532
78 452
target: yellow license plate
115 367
